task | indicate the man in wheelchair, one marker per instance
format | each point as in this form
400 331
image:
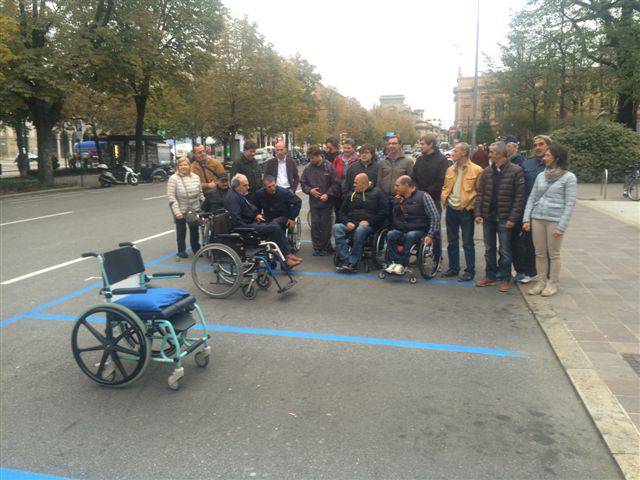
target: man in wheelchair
278 205
364 210
246 215
414 218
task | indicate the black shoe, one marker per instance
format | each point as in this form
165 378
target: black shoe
450 273
330 250
323 253
317 252
466 277
183 255
348 268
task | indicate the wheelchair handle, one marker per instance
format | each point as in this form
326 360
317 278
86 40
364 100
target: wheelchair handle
125 244
89 254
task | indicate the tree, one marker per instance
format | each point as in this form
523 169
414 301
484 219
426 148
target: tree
35 70
143 42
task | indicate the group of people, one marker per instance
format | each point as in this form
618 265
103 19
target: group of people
523 204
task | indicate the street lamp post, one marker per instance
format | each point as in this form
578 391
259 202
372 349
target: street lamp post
474 103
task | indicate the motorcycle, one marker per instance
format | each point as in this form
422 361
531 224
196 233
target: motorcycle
121 174
156 173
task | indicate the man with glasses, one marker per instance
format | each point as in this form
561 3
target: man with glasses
394 165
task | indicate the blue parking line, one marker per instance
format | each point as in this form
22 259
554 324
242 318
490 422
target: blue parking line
6 474
341 275
69 296
328 337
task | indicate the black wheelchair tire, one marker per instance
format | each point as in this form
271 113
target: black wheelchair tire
138 329
427 264
233 286
380 248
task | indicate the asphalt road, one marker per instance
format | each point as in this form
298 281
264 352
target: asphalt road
355 378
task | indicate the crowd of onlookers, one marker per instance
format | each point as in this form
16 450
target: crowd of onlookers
523 204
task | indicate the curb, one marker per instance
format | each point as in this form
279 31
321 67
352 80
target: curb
43 192
615 427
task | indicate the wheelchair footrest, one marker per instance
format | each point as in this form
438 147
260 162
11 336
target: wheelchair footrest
182 321
195 346
288 286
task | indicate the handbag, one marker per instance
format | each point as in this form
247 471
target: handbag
191 215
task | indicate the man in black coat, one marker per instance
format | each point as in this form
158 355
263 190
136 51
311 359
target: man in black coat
363 211
244 214
278 205
283 168
428 174
247 165
214 197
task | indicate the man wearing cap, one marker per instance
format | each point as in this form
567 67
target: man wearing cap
512 147
283 168
206 167
214 198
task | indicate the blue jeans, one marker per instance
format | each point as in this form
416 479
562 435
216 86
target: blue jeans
342 234
461 220
409 239
502 269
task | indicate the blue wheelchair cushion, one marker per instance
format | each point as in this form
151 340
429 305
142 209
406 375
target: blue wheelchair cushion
154 301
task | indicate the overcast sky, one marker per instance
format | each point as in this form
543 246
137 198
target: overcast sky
368 48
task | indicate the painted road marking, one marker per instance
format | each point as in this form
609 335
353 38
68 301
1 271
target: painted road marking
153 198
71 262
6 474
35 218
326 337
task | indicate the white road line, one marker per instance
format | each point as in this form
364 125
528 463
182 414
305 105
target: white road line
71 262
35 218
154 236
153 198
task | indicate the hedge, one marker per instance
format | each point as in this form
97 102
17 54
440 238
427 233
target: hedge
599 145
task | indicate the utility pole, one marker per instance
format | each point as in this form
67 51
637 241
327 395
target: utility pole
474 103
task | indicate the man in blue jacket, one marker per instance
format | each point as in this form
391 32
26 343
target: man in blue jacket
277 204
244 214
524 254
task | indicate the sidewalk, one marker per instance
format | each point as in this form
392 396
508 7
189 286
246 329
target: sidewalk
593 323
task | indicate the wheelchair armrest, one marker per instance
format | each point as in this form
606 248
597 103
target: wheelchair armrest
158 275
128 291
245 231
126 244
227 235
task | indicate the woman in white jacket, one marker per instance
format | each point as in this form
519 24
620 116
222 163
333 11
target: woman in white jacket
547 215
185 193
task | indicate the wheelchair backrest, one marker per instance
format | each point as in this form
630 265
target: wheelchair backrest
221 223
121 263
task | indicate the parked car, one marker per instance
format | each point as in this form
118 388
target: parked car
263 155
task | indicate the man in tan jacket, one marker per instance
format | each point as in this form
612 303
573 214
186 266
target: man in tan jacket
206 167
458 198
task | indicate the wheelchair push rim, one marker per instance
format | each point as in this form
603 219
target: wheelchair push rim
119 354
217 270
295 236
427 263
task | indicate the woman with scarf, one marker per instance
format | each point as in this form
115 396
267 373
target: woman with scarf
547 216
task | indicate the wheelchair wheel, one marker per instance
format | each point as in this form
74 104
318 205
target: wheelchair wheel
427 263
110 345
380 248
249 291
217 270
264 281
294 236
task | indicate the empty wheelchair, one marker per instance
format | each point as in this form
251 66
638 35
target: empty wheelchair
373 253
113 342
236 259
421 258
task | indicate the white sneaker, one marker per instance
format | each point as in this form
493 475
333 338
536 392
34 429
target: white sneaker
391 268
525 279
399 270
